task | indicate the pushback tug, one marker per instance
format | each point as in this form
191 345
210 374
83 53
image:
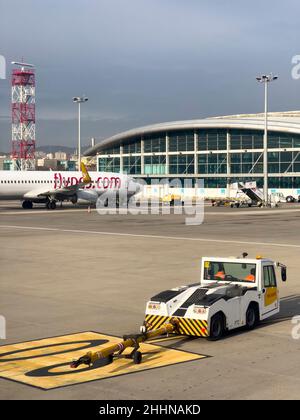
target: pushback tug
232 293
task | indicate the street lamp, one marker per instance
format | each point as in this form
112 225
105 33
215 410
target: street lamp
266 79
79 100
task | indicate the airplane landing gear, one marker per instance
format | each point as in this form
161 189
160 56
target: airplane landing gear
27 204
51 205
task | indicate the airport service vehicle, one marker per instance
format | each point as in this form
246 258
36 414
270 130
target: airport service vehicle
51 186
172 199
232 293
292 199
232 202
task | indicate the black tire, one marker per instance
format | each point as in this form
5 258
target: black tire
110 358
290 199
252 317
137 357
217 327
27 204
52 205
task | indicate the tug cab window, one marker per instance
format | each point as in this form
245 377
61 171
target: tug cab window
269 276
229 271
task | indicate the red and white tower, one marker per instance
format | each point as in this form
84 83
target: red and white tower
23 116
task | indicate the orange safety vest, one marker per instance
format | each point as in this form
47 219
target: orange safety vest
220 274
250 277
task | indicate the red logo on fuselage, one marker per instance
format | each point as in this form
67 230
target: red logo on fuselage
113 182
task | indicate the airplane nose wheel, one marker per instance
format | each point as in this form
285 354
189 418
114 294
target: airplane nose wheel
27 204
51 205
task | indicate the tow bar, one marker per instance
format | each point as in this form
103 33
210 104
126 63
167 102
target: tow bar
133 340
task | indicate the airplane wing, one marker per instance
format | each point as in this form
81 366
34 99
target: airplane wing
67 191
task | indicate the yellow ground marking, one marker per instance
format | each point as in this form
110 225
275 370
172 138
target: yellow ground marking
170 337
45 363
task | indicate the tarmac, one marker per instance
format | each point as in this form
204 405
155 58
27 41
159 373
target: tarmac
70 270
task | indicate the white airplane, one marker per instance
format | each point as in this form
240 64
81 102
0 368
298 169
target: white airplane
51 186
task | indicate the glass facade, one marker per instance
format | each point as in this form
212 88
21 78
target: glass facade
283 140
211 157
243 139
132 147
155 165
132 165
182 141
155 143
212 139
107 164
113 150
181 164
246 163
284 162
212 163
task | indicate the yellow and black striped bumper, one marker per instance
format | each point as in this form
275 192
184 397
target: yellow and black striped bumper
186 326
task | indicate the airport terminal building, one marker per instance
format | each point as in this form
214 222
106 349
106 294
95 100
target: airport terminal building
219 150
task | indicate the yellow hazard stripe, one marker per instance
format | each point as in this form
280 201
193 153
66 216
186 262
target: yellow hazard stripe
187 326
183 328
194 327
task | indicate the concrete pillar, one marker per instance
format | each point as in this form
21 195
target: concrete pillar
195 152
167 153
228 162
121 158
142 157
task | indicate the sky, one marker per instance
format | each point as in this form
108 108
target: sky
146 61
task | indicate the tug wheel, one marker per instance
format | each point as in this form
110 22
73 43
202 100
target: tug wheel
137 357
216 327
252 317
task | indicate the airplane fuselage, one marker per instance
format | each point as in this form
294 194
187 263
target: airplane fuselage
31 185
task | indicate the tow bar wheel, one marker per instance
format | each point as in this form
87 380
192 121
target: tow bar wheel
137 357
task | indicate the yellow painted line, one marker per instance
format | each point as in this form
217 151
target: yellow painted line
175 337
45 363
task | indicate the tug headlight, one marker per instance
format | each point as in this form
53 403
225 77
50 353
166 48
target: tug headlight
199 310
154 306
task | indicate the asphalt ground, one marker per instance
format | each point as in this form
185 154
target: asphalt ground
70 270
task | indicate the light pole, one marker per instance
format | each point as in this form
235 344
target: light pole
266 79
79 100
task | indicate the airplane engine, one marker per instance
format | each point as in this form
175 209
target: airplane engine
90 196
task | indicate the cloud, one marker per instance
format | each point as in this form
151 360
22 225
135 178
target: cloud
147 61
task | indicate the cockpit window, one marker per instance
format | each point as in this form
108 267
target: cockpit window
228 271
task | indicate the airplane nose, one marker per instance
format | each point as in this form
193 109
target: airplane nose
134 186
138 186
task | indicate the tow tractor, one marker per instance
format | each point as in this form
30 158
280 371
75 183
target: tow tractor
232 293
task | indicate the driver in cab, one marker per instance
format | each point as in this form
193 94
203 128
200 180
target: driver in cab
220 274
